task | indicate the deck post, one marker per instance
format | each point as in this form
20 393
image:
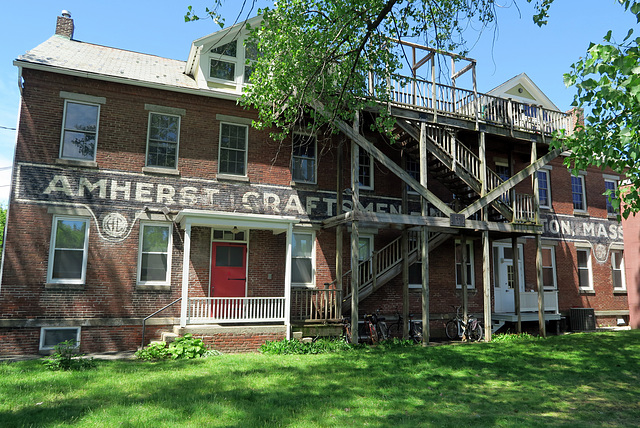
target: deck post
539 277
486 251
287 282
405 258
186 257
425 238
339 228
464 279
516 281
355 236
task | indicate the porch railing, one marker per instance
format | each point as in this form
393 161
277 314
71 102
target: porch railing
316 304
456 102
524 208
529 301
235 309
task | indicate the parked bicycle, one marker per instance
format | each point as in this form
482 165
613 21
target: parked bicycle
457 329
346 329
415 328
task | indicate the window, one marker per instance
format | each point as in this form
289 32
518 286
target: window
162 140
584 269
68 252
154 258
413 168
617 271
365 172
549 268
611 185
303 158
470 273
302 259
233 149
544 191
503 171
223 65
250 55
577 191
79 131
51 336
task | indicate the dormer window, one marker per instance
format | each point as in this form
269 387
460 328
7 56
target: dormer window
223 63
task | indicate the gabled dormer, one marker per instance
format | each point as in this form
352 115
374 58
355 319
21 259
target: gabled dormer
521 88
219 61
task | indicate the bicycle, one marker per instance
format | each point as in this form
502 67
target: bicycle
415 328
457 329
346 329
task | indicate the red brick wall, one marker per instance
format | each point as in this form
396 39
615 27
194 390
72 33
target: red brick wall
632 267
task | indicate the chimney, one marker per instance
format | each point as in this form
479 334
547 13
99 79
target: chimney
64 25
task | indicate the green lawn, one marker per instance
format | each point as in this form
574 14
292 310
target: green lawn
574 380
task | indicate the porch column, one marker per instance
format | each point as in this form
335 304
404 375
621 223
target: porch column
287 282
339 228
405 258
486 250
516 281
186 257
540 278
355 236
426 331
464 280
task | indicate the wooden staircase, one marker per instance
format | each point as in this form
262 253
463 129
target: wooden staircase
452 164
384 265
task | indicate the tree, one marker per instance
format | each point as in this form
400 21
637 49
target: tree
327 51
607 80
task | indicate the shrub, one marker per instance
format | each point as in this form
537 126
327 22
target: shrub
290 347
185 347
514 337
67 357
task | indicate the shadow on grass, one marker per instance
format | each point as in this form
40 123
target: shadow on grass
582 379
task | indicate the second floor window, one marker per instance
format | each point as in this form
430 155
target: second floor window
543 189
233 149
303 158
162 143
612 186
365 173
79 131
577 192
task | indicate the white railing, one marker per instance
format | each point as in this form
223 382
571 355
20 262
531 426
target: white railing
463 103
529 301
316 304
524 208
235 309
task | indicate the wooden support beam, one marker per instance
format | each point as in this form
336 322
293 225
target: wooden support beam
539 276
426 331
510 183
355 237
384 160
336 220
422 62
516 281
486 245
461 72
405 259
339 228
463 282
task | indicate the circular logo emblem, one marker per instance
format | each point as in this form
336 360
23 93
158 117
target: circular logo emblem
601 252
114 225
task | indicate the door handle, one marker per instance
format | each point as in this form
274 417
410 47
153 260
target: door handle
236 279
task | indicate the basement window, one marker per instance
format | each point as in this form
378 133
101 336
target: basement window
51 336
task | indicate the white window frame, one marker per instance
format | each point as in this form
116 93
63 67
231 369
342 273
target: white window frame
614 252
177 142
370 185
246 149
553 266
589 268
584 193
44 330
614 181
52 251
547 174
314 159
313 258
470 262
240 61
65 129
167 280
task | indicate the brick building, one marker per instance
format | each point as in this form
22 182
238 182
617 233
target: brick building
149 189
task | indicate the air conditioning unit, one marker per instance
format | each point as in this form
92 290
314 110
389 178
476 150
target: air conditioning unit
583 319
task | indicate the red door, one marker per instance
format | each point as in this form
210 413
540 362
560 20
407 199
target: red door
228 269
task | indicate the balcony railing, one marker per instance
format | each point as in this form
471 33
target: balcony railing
529 301
202 310
316 304
466 104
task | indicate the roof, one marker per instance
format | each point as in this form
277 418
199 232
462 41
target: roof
533 92
97 61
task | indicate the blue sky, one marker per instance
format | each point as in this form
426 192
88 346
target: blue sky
158 28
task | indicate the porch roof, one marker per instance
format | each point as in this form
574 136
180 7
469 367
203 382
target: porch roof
275 223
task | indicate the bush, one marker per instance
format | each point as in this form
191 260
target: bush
185 347
291 347
514 337
67 357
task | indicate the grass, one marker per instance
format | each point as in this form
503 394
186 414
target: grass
588 379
